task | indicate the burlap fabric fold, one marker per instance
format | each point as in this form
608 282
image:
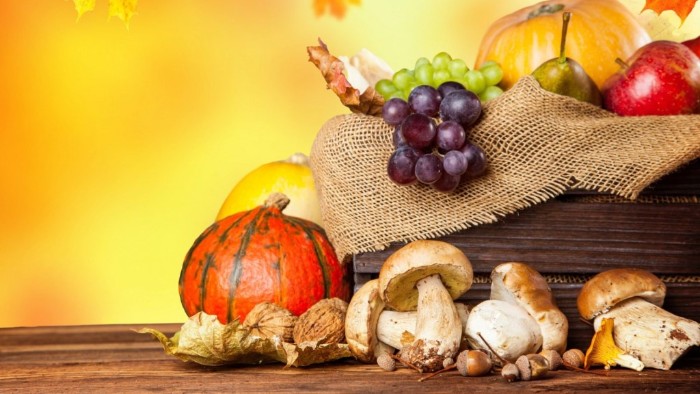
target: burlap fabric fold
538 145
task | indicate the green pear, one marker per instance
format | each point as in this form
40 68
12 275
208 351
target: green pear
563 75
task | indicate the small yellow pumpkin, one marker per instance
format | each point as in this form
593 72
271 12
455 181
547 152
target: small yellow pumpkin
291 177
599 32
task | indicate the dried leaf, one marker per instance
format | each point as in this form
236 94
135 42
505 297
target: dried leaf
369 102
682 8
204 340
337 8
123 9
83 6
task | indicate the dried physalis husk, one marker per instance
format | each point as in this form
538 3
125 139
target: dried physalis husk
267 320
324 322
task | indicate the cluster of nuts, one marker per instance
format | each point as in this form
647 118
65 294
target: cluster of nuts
323 323
469 363
536 366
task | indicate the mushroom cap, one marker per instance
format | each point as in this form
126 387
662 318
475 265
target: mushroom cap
608 288
520 284
361 321
506 328
418 260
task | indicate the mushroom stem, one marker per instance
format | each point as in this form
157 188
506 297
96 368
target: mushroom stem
655 336
397 329
438 327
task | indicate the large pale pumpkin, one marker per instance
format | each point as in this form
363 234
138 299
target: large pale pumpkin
291 177
260 255
599 32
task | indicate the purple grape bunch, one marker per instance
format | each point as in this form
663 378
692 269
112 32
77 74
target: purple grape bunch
430 137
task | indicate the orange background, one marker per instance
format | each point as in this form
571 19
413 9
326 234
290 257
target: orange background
119 145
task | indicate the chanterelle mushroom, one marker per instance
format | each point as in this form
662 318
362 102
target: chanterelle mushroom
520 284
633 298
426 276
603 350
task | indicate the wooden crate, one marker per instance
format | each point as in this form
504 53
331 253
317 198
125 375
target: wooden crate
569 240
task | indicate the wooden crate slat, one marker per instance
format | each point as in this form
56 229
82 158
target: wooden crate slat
571 237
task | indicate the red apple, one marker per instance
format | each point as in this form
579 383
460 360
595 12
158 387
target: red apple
694 45
661 78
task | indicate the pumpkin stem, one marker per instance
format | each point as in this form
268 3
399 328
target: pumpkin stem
545 9
278 200
298 158
565 27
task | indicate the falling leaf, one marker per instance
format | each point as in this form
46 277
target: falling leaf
83 6
204 340
337 8
682 8
368 102
123 9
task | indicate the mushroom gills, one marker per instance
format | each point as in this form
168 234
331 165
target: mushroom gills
655 336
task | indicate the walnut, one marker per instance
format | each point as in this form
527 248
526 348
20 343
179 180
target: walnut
267 320
324 322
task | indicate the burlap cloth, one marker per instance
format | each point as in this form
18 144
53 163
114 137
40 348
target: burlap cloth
538 145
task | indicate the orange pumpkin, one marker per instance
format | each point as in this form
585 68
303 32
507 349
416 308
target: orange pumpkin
260 255
599 32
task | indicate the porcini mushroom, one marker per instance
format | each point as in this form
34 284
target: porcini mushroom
426 276
633 298
361 323
370 330
397 329
520 284
504 328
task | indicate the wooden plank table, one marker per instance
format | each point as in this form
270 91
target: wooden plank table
114 358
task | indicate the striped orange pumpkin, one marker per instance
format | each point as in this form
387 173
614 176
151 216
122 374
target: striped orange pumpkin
257 256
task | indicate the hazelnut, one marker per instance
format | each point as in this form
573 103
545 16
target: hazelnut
473 363
323 323
266 320
510 372
532 366
386 362
573 358
553 358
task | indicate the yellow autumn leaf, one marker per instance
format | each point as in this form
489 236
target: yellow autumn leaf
123 9
83 6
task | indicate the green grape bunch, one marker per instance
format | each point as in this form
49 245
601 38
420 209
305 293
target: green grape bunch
482 81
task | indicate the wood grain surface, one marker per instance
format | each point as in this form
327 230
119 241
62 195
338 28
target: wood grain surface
117 359
579 238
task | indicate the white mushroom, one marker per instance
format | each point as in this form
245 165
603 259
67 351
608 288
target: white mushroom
520 284
426 276
633 298
370 330
361 323
397 329
505 328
